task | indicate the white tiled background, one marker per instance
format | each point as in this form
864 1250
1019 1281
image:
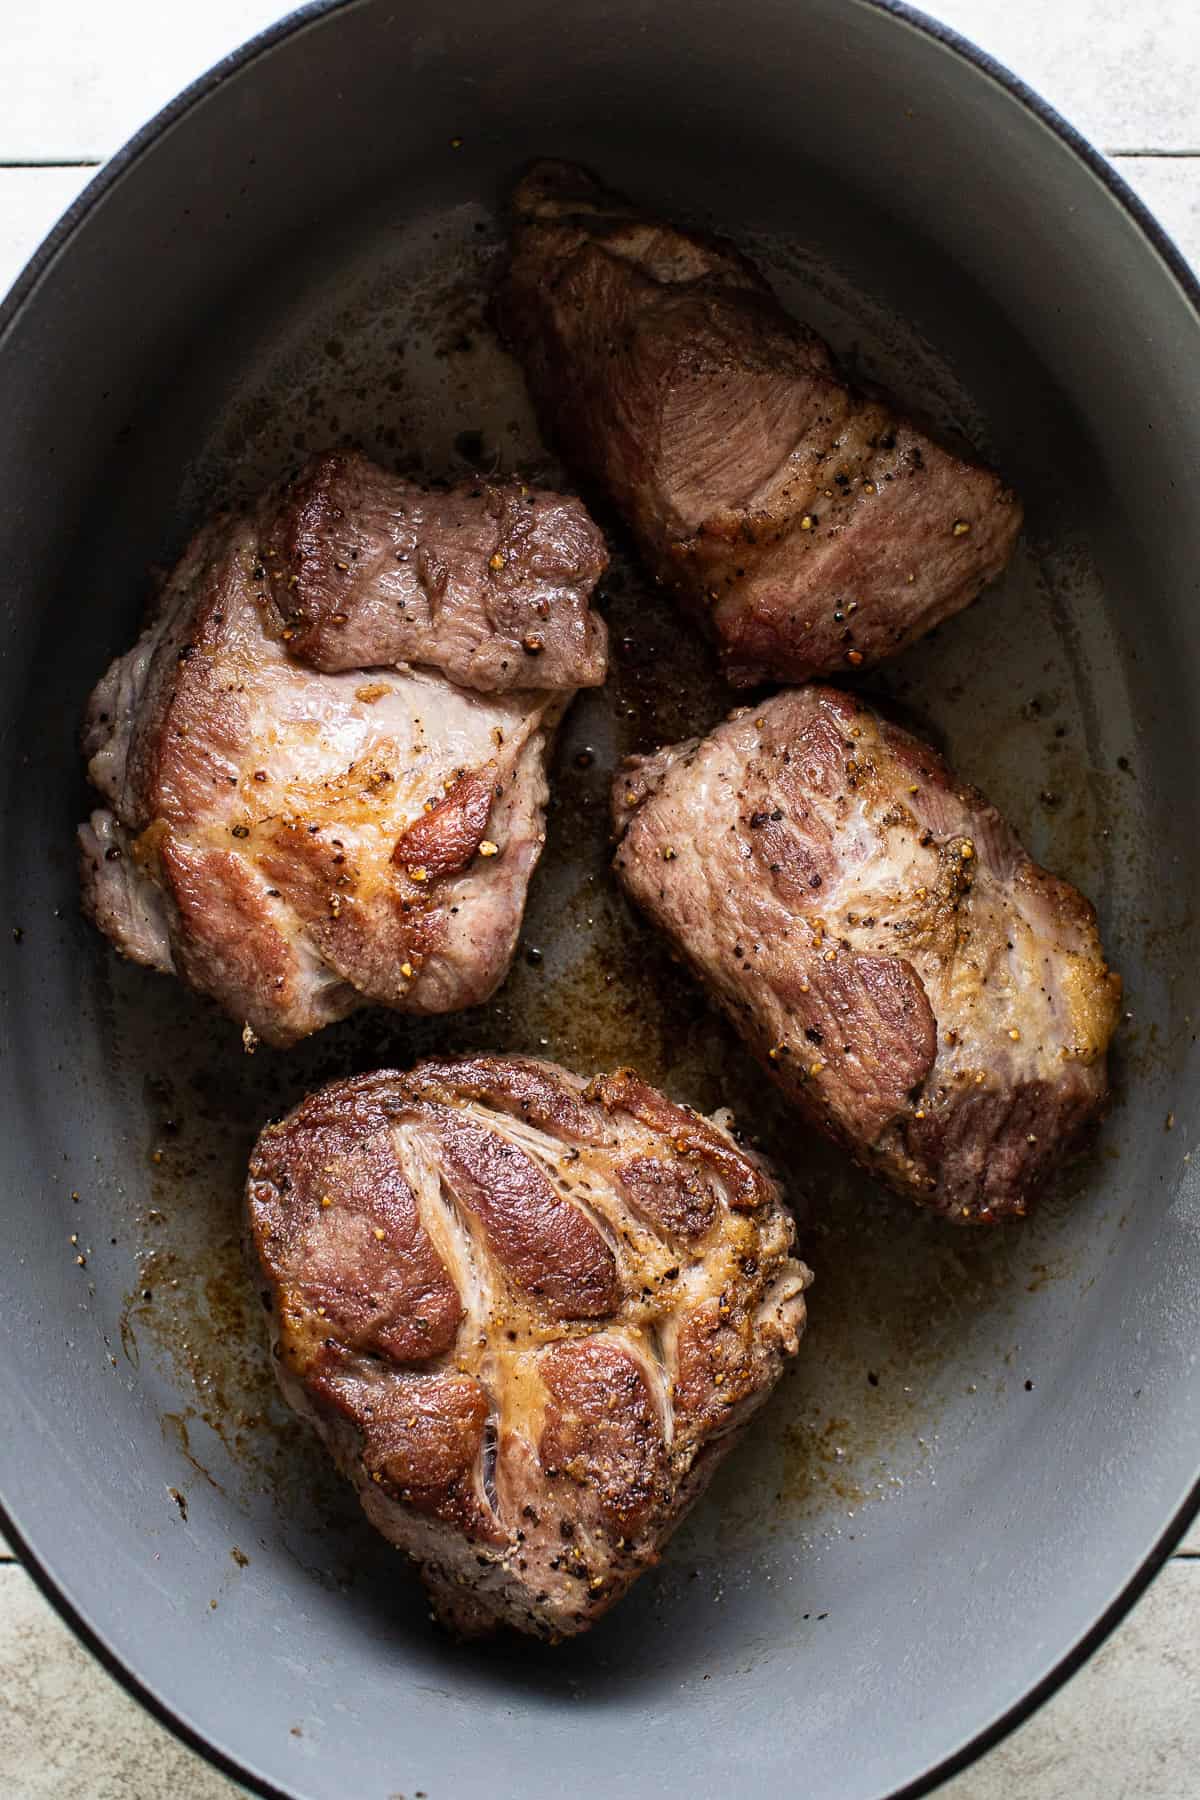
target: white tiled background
76 78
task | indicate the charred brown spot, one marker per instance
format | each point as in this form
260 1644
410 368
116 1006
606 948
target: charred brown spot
443 840
337 1226
671 1195
626 1091
603 1430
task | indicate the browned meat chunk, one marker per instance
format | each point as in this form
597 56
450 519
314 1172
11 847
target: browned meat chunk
924 992
812 528
528 1316
297 832
488 583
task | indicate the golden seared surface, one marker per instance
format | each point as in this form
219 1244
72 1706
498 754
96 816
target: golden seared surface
812 528
527 1314
924 991
323 760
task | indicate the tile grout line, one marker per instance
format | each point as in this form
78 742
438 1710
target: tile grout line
1143 153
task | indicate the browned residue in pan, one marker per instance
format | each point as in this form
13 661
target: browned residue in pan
905 1315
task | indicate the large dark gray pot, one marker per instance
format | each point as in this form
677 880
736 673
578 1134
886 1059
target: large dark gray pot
990 1444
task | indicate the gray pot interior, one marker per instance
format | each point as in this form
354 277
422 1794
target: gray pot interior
986 1435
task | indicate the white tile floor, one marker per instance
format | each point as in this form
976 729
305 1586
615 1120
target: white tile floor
76 78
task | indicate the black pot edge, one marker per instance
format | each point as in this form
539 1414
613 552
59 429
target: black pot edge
26 283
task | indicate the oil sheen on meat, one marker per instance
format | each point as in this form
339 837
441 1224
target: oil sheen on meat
810 527
923 991
323 761
527 1314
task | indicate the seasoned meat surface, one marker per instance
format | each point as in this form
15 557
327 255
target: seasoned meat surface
297 836
527 1314
488 582
812 527
924 992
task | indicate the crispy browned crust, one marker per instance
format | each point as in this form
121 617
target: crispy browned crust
691 1135
295 842
526 1314
810 528
923 991
487 581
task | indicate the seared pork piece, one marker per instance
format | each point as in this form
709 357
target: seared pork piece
527 1315
487 582
811 527
924 992
297 835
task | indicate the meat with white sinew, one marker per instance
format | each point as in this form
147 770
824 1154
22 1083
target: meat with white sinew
527 1315
323 761
924 992
811 527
